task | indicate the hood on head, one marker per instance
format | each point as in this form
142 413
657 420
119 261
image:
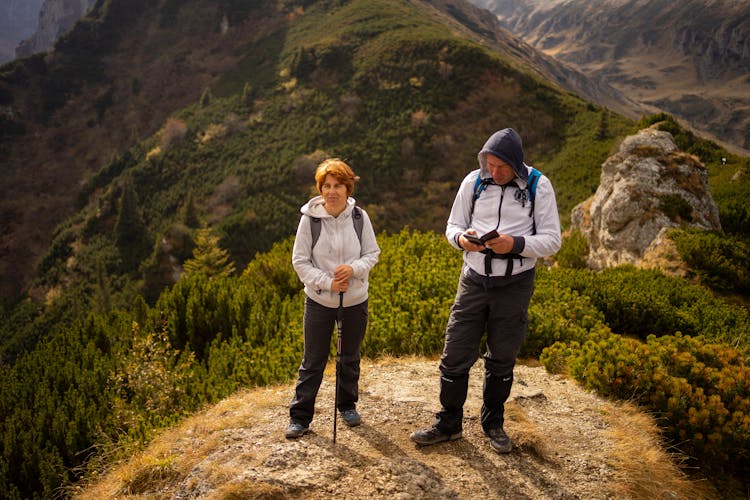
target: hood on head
506 144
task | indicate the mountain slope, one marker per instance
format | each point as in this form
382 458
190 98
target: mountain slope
568 444
383 84
77 111
691 59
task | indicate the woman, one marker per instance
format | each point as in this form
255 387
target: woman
338 262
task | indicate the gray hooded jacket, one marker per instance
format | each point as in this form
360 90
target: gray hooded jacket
506 209
338 244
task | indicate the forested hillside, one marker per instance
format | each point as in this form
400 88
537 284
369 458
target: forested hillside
170 285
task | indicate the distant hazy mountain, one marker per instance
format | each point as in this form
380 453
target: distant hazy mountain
689 58
18 20
55 18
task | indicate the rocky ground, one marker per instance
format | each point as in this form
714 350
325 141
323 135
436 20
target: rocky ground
568 444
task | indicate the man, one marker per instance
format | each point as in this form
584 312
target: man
515 207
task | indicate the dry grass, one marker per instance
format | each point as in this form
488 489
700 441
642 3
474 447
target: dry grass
170 457
248 490
644 468
528 435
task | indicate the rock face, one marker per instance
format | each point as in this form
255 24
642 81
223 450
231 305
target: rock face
55 18
649 186
18 20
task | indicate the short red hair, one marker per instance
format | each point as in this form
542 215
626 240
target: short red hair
340 170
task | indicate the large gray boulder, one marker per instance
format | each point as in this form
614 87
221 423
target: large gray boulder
648 187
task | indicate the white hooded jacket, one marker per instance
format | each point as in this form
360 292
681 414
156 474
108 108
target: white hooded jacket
506 209
338 244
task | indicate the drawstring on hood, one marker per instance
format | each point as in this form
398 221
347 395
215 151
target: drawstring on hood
506 144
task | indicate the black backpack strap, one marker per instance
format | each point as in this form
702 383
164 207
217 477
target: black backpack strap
315 230
358 222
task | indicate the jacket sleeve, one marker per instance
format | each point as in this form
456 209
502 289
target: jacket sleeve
370 250
547 239
460 217
302 262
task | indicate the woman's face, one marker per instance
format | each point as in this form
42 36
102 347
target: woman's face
334 195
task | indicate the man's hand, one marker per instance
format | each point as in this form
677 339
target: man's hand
502 244
467 244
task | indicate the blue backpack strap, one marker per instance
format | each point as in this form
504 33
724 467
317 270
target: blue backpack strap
479 186
357 220
531 183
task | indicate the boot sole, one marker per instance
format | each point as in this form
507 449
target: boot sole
296 435
442 439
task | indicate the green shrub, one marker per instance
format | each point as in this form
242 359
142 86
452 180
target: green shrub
699 392
643 302
574 250
721 261
677 208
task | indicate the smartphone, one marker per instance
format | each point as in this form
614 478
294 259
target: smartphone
483 239
474 239
487 237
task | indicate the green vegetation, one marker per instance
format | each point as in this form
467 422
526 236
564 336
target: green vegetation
109 380
719 260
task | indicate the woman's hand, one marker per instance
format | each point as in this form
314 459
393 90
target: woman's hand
340 286
341 277
343 272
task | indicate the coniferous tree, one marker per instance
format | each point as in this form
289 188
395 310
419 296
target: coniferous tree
103 301
248 94
206 98
189 212
131 234
208 257
602 131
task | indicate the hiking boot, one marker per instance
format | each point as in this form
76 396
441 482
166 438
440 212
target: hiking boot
433 435
351 417
295 430
499 440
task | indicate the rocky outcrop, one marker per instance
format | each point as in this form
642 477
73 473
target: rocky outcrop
55 18
646 188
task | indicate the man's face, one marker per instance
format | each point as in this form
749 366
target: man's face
501 172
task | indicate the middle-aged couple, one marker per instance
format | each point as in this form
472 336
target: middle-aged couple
335 248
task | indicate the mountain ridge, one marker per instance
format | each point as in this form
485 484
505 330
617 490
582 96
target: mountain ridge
689 59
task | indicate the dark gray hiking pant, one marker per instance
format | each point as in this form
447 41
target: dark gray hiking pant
319 326
499 306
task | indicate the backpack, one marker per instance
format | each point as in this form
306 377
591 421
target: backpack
531 183
315 226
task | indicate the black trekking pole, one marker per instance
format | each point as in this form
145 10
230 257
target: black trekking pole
339 327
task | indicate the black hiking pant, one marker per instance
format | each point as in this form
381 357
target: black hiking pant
319 326
499 307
